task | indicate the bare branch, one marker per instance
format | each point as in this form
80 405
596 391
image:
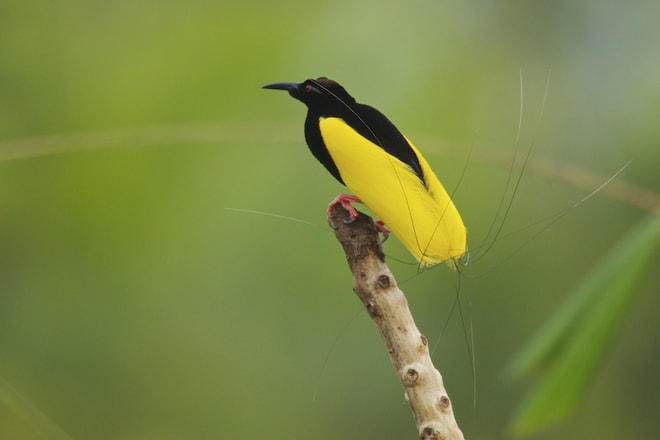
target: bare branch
387 306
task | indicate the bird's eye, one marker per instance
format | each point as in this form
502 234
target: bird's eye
309 88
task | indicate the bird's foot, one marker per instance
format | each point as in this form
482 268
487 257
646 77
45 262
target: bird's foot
345 201
380 225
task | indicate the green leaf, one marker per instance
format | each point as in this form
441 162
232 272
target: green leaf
569 347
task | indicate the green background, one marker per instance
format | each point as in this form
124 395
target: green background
135 305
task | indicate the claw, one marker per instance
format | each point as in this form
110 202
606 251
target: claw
380 225
345 201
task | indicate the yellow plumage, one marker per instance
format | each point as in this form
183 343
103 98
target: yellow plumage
424 218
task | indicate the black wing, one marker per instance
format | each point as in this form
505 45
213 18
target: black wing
369 123
375 126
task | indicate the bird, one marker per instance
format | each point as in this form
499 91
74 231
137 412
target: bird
364 151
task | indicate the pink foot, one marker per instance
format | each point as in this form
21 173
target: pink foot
380 225
345 201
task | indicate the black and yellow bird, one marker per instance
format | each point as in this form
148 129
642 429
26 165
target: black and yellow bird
363 150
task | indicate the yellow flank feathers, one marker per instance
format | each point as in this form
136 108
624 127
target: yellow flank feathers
424 219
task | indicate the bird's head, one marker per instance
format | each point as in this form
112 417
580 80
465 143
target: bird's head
318 94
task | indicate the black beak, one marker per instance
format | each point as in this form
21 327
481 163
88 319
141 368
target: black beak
281 86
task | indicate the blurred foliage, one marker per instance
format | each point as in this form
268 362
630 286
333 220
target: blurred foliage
134 305
570 346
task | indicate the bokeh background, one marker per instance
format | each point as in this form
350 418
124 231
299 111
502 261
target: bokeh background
135 305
